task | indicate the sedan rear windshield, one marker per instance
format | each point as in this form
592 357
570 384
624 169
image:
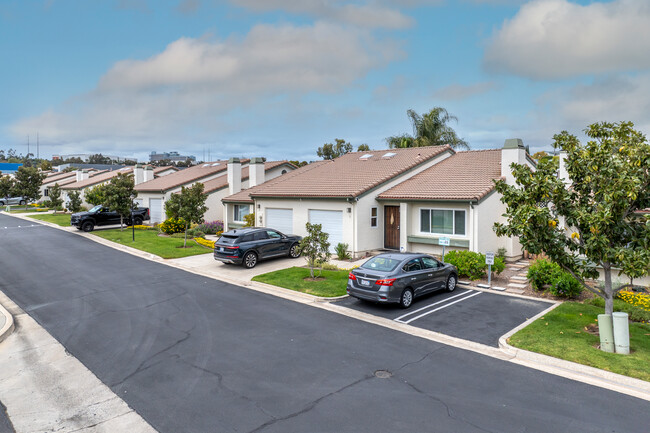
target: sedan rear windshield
381 264
228 239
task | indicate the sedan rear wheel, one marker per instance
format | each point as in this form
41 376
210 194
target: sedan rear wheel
451 283
406 299
250 260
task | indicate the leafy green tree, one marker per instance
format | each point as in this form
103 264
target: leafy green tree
55 196
189 204
539 155
117 196
331 151
315 247
95 195
28 183
299 163
74 203
6 186
593 217
363 148
46 165
430 129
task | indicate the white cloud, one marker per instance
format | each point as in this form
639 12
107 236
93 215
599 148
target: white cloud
553 39
460 91
199 89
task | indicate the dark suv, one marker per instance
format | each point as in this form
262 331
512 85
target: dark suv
249 245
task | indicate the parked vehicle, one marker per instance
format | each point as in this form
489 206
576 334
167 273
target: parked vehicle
249 245
101 216
12 200
400 278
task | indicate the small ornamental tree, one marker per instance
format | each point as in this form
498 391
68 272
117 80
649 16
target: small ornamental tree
6 186
117 196
315 247
55 196
594 217
28 183
74 203
333 151
95 195
189 205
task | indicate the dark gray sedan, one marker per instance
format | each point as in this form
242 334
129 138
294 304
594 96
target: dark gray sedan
400 277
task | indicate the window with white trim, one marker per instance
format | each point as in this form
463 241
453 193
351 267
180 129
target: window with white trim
373 217
240 211
442 221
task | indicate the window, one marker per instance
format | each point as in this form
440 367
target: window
430 263
46 192
241 210
413 265
274 235
442 221
260 236
373 217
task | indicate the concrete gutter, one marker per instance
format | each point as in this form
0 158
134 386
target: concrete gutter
8 326
570 370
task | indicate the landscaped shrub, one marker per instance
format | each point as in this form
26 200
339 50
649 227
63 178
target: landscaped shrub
204 242
46 203
543 272
472 265
501 252
641 300
635 313
342 251
565 286
196 233
210 228
179 235
250 220
172 225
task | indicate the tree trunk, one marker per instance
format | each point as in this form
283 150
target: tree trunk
121 223
185 240
609 292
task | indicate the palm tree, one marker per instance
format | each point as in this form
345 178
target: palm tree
430 129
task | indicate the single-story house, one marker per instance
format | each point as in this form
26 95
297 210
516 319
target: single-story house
62 179
85 180
396 199
220 178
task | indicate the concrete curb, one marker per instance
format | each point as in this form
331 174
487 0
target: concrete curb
590 375
9 325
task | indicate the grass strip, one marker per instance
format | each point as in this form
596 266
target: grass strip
333 283
562 333
62 219
149 241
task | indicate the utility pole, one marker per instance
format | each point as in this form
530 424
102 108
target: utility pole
27 145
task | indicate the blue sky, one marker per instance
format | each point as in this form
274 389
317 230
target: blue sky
278 78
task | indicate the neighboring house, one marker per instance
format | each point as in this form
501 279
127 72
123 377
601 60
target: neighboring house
219 177
396 199
86 180
80 166
62 179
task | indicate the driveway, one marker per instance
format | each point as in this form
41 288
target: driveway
466 313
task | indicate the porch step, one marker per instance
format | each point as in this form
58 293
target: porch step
517 277
516 285
515 291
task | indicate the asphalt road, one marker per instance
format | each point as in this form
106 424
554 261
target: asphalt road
191 354
472 315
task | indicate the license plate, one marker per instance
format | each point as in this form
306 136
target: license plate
365 282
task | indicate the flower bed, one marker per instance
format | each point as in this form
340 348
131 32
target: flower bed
204 242
143 227
641 300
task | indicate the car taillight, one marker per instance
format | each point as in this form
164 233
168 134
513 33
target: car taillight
385 282
352 277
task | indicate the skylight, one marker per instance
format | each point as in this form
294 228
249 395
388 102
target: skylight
389 155
206 165
366 156
215 164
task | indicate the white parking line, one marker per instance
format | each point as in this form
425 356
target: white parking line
399 319
437 309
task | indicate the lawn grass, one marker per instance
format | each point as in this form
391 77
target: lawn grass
62 219
561 334
293 278
149 241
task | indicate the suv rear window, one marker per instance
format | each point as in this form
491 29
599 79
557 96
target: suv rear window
228 239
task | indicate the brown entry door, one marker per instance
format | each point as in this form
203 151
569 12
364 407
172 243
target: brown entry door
391 227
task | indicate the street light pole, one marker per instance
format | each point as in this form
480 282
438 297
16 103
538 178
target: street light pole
133 196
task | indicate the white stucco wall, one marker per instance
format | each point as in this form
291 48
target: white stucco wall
489 211
413 228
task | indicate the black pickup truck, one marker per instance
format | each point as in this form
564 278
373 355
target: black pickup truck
101 216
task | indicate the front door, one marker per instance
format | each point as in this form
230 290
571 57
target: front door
391 227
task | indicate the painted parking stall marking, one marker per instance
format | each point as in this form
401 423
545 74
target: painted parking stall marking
469 293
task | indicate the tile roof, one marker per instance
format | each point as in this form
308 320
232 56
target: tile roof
351 175
56 177
183 177
244 195
466 175
103 176
222 181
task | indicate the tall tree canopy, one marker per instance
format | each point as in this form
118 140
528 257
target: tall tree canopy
595 216
331 151
189 204
429 129
117 196
28 183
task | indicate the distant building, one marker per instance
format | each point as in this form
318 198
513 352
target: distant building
171 156
9 168
86 156
109 167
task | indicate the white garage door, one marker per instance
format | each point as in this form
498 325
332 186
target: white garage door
280 219
156 213
332 222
